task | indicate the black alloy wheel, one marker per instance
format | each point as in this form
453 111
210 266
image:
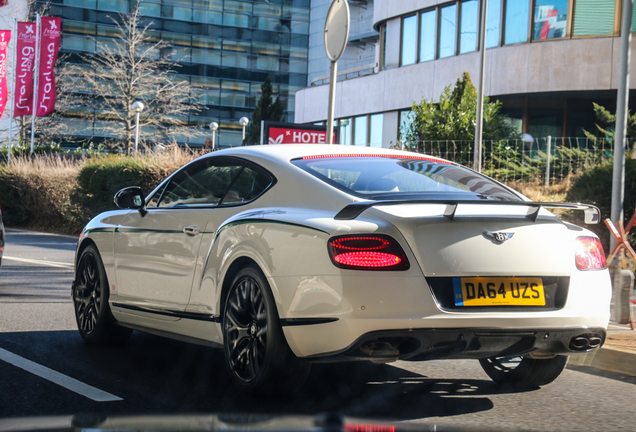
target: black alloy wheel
88 294
246 329
95 322
524 371
256 351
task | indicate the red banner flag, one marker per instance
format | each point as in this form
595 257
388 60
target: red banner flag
5 37
49 46
23 100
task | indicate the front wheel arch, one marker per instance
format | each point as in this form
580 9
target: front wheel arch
80 248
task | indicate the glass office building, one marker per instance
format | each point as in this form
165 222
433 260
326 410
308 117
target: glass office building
226 49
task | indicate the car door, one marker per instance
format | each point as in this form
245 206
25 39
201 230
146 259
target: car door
156 252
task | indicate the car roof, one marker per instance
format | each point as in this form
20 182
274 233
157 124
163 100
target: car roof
283 153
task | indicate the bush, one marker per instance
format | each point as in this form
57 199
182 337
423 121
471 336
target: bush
100 178
24 150
35 193
55 193
595 187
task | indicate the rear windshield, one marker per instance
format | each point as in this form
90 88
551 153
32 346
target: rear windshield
397 178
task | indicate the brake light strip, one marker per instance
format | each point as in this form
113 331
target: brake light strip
389 156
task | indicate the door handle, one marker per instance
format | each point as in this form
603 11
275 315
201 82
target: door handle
191 231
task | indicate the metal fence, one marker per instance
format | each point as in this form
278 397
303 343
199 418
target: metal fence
546 159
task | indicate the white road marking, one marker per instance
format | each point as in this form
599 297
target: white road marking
55 377
42 262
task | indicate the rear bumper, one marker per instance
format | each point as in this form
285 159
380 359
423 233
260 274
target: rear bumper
469 343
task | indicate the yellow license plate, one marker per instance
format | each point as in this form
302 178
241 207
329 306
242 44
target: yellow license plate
499 291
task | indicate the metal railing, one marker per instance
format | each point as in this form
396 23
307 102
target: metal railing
545 159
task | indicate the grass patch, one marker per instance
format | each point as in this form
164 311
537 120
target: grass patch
35 193
52 193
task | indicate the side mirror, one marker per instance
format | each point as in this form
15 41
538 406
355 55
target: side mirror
131 198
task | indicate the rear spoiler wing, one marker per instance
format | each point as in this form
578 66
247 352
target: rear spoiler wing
592 213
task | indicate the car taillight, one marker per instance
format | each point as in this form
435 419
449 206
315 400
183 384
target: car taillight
367 252
368 428
589 254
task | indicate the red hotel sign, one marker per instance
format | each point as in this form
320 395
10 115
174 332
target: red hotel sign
291 133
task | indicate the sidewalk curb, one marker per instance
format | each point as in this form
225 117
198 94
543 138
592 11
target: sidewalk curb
608 358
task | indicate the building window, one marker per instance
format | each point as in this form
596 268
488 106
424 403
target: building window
406 118
113 5
363 131
544 122
517 15
81 3
375 130
360 131
383 47
550 19
78 43
594 17
345 131
493 23
428 35
409 40
447 31
468 29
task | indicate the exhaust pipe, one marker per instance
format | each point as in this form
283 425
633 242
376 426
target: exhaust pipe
380 349
579 343
585 342
595 342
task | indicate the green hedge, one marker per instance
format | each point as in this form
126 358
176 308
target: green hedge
60 195
99 179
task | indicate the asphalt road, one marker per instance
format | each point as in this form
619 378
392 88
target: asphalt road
155 375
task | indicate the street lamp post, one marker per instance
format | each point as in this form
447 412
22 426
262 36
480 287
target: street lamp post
243 122
214 126
137 107
479 117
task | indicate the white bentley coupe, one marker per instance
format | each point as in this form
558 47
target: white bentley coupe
284 255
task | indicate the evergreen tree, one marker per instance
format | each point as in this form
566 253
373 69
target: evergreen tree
454 117
266 109
607 123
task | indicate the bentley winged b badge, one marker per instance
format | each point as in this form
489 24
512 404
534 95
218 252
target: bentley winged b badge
498 237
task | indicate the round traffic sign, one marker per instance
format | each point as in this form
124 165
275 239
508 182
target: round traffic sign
337 29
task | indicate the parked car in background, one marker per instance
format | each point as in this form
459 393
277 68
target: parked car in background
287 255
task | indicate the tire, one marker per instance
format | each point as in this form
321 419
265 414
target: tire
95 321
524 371
256 352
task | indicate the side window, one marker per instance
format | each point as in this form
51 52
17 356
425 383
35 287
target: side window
248 185
152 202
204 183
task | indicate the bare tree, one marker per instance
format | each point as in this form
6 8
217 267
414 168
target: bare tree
130 67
